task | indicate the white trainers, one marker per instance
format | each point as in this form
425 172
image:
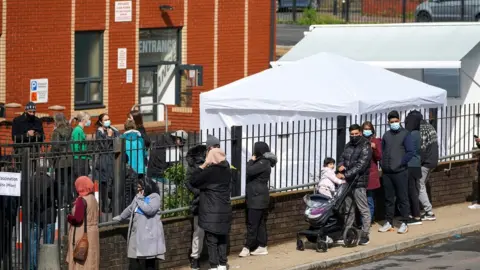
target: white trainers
403 228
386 227
474 206
244 253
260 251
222 267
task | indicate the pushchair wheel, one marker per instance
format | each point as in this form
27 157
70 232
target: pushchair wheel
351 236
322 246
300 245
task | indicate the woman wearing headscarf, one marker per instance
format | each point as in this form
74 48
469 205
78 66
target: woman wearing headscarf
86 207
259 168
412 125
146 240
213 179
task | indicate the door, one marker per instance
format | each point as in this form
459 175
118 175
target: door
147 92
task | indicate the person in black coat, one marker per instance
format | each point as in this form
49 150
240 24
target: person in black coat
259 168
213 179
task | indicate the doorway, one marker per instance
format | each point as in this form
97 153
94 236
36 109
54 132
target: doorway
148 92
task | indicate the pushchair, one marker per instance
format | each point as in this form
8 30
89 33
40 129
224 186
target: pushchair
327 220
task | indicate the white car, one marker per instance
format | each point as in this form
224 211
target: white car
448 11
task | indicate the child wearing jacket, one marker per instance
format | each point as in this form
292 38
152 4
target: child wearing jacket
328 179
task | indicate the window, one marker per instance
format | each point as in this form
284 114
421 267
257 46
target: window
88 70
448 79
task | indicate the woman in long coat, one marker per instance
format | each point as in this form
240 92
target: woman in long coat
146 240
85 190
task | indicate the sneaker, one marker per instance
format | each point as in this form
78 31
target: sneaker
195 264
386 227
260 251
213 268
430 216
222 267
414 221
328 240
403 228
245 252
365 240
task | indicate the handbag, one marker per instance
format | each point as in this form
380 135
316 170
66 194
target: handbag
80 250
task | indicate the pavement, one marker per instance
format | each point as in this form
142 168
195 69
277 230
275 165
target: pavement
290 34
451 221
458 253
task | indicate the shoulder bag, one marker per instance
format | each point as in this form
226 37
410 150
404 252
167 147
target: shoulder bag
80 250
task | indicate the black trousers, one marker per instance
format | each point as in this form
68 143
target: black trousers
64 175
396 186
105 197
80 168
217 249
256 228
143 264
414 175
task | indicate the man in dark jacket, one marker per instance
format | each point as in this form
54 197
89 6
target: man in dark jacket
398 150
195 158
354 166
429 159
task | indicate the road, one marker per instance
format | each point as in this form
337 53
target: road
462 253
290 34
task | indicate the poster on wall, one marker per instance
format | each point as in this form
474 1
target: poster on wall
122 58
39 90
123 11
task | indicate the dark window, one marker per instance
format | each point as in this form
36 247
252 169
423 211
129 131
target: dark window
88 69
448 79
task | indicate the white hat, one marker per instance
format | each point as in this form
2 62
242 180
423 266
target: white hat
182 134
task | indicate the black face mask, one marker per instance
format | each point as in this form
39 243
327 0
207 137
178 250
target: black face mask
355 139
30 117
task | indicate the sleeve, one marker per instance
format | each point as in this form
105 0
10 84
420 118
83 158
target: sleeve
189 178
17 132
39 129
409 149
200 177
77 217
127 212
151 208
362 164
341 159
146 138
256 168
333 178
377 152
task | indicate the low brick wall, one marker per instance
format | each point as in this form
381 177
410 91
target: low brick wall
285 218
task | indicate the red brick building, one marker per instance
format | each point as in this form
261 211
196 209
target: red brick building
107 55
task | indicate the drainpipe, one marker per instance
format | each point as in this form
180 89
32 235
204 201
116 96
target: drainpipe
272 29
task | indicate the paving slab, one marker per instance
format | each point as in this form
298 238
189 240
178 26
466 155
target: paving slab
451 220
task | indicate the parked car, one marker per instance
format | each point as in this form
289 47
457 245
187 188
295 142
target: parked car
300 4
447 11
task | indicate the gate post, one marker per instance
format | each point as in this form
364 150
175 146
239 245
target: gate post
119 176
341 135
25 204
236 144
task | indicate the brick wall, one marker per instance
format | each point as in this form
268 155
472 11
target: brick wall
285 218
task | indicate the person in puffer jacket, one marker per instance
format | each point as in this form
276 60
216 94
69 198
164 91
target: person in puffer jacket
355 166
326 186
259 168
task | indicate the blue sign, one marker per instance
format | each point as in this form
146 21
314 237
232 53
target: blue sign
33 86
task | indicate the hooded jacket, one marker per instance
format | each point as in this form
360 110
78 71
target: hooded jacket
105 160
356 160
258 177
195 158
374 176
135 148
61 137
157 163
412 124
22 124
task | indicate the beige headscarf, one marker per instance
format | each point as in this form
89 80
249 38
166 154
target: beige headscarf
215 156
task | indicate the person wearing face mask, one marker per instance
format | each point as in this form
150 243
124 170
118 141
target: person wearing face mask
373 178
105 134
354 164
80 161
397 151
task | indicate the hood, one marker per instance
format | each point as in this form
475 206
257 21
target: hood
260 148
196 155
132 134
271 157
413 120
64 131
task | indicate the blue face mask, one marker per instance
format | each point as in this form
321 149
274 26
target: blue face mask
395 126
106 123
367 133
87 124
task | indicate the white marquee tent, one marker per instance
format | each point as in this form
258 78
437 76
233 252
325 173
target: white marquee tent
322 85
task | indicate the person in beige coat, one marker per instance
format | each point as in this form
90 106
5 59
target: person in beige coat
85 190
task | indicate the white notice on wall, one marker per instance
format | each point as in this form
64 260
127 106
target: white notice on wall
10 184
129 75
122 58
123 11
39 90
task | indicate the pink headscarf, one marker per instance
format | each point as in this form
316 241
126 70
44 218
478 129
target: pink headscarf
84 186
215 156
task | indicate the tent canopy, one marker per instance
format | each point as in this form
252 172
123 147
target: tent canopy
410 46
323 83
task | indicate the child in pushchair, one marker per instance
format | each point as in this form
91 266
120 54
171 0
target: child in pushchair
326 219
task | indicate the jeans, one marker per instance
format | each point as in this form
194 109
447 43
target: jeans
422 191
217 249
371 204
256 228
357 199
197 239
396 185
48 238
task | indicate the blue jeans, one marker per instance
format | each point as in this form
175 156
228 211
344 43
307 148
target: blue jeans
48 238
371 203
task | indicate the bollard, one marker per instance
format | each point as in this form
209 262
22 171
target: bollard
48 257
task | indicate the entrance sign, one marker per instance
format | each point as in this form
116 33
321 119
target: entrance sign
10 184
39 90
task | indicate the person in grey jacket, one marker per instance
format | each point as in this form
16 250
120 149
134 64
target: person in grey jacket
412 124
143 251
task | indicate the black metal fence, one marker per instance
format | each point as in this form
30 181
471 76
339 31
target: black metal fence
49 169
373 11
